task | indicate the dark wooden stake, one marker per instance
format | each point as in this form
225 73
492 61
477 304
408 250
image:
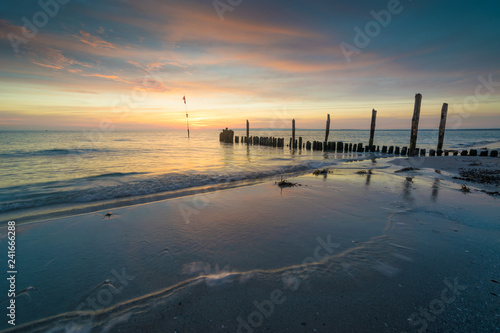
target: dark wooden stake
372 128
248 131
327 128
442 126
414 125
293 132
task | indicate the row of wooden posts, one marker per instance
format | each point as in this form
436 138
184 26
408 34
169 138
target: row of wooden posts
227 136
341 147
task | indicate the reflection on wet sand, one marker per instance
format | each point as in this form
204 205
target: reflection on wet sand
407 187
435 189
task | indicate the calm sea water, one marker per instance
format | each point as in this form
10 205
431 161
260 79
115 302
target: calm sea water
43 172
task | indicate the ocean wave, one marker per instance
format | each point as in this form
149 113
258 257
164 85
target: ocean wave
53 152
115 174
94 188
478 143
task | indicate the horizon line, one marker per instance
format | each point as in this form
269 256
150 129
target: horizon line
244 129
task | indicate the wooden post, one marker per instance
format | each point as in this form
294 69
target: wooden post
226 136
442 126
248 132
327 128
293 132
340 147
414 125
372 128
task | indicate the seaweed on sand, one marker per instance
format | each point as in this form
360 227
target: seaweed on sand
320 172
285 183
465 189
482 176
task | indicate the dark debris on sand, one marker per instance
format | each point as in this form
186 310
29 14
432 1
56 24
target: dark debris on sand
286 183
494 193
364 172
407 169
482 176
320 172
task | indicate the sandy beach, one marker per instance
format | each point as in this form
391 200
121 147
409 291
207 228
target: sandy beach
360 247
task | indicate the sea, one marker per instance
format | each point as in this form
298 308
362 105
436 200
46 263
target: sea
99 249
45 174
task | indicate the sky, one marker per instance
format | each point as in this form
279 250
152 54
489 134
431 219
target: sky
124 64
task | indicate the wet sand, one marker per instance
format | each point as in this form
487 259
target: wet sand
378 251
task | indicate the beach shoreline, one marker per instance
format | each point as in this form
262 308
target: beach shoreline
358 247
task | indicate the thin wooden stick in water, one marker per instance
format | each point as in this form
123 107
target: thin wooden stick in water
187 118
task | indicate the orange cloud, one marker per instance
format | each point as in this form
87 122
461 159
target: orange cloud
47 65
109 77
80 91
94 41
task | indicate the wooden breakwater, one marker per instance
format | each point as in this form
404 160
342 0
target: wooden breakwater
342 147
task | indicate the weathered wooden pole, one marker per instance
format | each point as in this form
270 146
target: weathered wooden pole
414 125
248 132
293 133
327 128
442 126
372 128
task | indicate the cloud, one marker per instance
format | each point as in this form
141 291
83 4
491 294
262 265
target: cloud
108 77
186 22
79 91
7 27
94 41
52 58
263 55
152 85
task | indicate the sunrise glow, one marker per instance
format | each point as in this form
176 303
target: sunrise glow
130 63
